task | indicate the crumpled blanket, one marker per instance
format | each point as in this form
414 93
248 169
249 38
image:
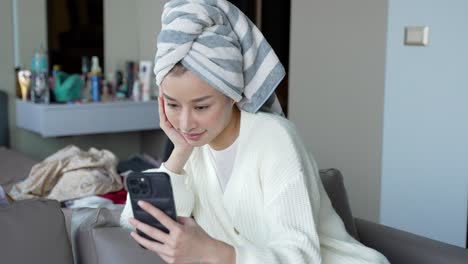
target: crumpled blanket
71 173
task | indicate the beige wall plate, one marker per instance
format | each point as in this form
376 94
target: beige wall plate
417 36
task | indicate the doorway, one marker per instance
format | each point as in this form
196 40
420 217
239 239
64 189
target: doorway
273 18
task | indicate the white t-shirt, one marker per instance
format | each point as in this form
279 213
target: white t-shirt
224 161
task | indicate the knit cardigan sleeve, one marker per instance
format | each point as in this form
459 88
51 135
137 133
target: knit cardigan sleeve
182 190
292 203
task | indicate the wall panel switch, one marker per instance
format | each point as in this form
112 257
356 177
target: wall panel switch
418 36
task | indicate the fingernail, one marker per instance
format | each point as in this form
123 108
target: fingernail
141 203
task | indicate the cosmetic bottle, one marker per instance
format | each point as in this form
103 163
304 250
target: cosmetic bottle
19 93
40 80
95 79
136 91
130 77
144 76
24 81
86 89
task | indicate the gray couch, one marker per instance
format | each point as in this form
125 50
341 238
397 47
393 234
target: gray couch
98 238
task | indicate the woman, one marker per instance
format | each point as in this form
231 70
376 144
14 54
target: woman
238 167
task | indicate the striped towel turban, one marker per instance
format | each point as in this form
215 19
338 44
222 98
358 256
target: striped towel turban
217 42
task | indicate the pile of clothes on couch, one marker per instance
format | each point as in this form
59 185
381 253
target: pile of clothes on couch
79 178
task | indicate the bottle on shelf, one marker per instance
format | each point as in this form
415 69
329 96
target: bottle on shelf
95 79
86 89
19 94
136 91
40 80
144 75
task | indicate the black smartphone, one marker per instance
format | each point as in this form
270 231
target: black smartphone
156 189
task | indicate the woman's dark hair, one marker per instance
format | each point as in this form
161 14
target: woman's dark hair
178 69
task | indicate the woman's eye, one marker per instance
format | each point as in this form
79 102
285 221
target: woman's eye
199 108
172 105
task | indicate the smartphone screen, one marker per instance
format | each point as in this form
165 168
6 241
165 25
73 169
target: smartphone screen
156 189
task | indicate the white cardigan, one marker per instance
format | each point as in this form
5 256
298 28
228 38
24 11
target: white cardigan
274 208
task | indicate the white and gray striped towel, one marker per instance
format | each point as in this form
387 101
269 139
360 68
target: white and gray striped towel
216 41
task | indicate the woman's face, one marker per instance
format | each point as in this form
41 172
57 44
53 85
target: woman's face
196 109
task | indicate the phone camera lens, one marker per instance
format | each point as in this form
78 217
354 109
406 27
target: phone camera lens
135 190
144 188
133 182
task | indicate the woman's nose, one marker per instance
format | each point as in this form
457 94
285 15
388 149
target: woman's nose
186 122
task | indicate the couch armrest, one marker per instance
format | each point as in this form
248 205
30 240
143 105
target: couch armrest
402 247
114 245
98 238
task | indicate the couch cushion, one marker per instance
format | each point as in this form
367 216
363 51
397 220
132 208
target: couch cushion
33 231
14 167
333 182
100 239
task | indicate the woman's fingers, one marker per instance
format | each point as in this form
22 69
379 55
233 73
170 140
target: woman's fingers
150 231
165 220
162 114
166 126
164 123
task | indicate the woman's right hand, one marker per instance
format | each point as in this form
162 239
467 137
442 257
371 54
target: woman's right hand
182 149
177 139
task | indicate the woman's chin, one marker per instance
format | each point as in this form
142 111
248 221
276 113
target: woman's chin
197 143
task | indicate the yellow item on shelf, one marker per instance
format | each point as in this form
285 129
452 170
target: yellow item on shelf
24 79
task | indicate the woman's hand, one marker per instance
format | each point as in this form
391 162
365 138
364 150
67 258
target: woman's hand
182 149
186 242
177 139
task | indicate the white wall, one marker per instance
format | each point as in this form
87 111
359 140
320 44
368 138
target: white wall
120 34
6 47
131 29
425 151
336 90
32 28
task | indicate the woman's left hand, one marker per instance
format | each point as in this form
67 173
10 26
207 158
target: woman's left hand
186 242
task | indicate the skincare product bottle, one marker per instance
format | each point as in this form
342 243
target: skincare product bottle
136 91
84 65
130 74
95 79
17 85
24 80
86 89
95 68
105 91
110 81
40 79
145 79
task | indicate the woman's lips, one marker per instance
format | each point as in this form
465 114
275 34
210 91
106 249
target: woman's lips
193 136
